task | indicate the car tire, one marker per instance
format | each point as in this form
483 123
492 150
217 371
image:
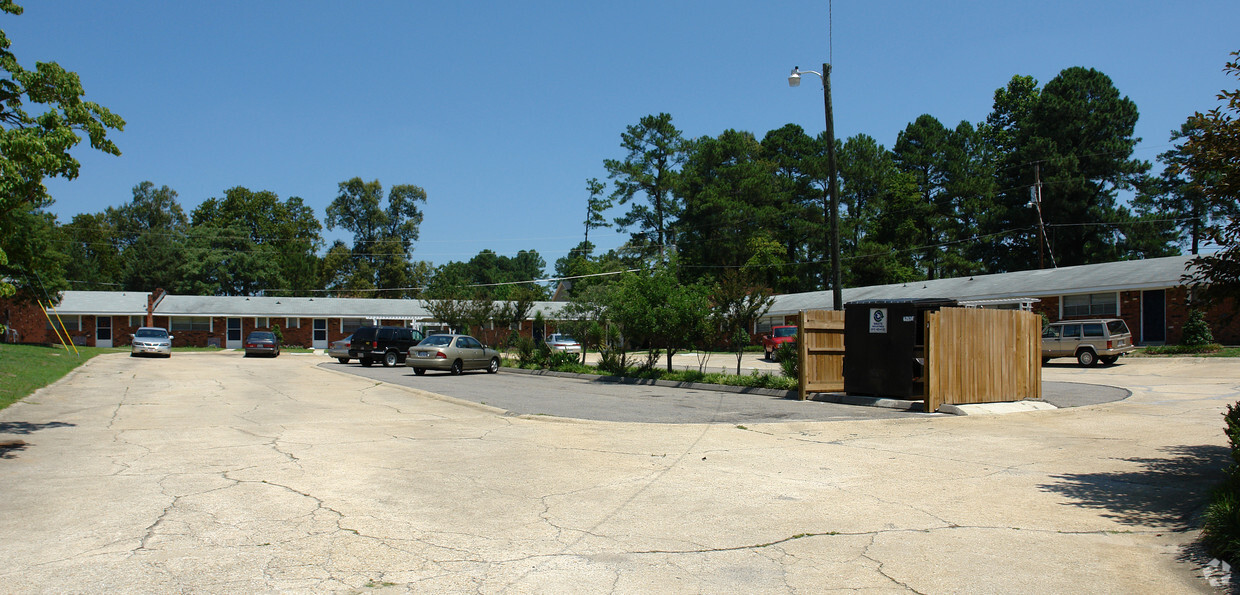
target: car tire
456 368
343 360
1086 357
390 359
132 354
365 362
1108 360
494 367
419 371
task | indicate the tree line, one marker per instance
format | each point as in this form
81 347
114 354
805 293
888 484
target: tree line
1039 182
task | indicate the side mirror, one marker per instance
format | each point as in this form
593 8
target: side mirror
171 337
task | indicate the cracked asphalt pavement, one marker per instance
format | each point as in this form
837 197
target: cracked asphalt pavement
212 473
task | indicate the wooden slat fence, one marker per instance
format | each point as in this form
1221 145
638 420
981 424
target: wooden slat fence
976 355
820 340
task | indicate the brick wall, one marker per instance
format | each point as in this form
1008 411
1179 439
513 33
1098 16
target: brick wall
1224 319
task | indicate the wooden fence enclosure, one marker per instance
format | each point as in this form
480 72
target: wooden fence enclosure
820 341
975 355
972 355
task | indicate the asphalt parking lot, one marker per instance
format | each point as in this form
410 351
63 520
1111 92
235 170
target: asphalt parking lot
214 473
600 400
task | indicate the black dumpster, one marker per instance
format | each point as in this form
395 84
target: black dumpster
884 346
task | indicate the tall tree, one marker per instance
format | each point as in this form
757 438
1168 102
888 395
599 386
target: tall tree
94 259
655 149
881 223
383 236
596 205
42 114
1176 196
252 242
1076 137
726 191
151 232
921 151
798 191
1213 155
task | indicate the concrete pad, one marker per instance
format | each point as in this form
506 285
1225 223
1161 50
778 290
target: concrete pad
218 474
996 408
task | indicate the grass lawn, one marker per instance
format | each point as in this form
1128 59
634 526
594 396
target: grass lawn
27 368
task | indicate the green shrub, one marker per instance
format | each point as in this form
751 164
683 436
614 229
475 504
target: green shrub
1181 349
789 358
525 351
275 330
1196 330
561 360
1221 528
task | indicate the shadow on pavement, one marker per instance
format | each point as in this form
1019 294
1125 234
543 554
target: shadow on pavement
1162 492
9 447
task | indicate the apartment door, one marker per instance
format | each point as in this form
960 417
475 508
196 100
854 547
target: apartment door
319 339
103 331
233 339
1154 316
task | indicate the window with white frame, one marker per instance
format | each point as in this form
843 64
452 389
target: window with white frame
348 325
189 323
292 323
137 321
262 322
71 322
1091 304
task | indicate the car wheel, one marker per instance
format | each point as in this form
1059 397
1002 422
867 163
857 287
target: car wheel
343 360
390 359
1086 358
419 371
456 368
1108 359
132 354
494 367
365 362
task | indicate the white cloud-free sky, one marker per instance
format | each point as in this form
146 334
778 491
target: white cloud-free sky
502 110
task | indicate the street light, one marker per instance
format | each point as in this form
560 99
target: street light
831 206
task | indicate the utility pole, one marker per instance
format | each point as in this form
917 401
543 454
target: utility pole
833 198
1037 202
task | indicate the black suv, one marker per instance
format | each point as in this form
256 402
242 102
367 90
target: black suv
387 344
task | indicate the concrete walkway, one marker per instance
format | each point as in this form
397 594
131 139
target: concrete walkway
211 473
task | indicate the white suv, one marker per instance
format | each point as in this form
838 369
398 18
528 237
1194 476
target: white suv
1089 341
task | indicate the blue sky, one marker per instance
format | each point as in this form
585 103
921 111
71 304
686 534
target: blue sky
502 110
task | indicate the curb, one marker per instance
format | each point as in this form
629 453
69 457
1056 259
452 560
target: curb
843 399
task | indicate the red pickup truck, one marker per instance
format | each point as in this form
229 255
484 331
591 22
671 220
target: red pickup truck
779 335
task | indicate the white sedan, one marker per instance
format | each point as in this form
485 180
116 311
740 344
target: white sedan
562 342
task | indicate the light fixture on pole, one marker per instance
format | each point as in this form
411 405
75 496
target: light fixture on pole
831 206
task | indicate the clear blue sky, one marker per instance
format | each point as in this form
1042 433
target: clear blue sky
502 110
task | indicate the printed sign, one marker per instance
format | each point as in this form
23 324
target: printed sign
878 320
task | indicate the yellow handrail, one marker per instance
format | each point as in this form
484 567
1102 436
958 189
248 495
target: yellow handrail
53 325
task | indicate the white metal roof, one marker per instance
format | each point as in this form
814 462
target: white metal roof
114 303
1153 273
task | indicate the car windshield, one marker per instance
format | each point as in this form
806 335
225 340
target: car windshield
436 341
151 333
787 331
563 339
262 337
